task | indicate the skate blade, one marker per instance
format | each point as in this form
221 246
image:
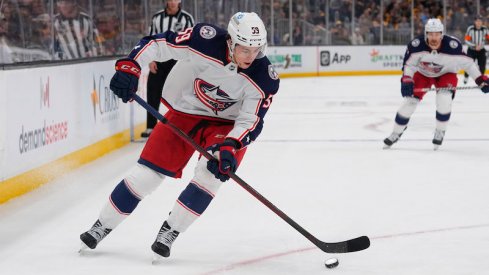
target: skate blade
156 259
386 146
83 248
435 147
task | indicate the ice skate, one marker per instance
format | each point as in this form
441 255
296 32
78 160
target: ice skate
92 237
438 139
390 140
162 245
466 79
146 133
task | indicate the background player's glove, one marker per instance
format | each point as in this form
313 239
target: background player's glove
483 81
407 86
124 83
226 159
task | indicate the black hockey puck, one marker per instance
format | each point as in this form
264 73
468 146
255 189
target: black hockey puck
331 263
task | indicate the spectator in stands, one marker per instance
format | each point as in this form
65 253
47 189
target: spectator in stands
41 37
357 37
6 53
298 37
75 33
109 32
339 34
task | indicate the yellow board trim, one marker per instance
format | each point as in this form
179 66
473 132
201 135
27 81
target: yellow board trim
30 180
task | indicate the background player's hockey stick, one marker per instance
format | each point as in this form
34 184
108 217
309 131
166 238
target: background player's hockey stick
446 89
351 245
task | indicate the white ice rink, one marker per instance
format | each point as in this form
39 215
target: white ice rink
320 160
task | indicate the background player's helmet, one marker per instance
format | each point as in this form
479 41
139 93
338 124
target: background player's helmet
433 25
247 29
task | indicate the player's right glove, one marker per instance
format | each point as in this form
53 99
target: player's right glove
225 160
124 83
407 86
483 82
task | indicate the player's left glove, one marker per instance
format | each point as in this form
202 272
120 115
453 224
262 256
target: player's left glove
225 161
483 82
407 86
124 83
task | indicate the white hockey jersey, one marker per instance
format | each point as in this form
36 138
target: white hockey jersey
449 58
205 83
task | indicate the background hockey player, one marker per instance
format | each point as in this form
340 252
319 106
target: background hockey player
218 93
432 59
475 39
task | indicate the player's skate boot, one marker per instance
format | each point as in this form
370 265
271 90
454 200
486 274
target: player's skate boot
393 138
165 238
146 133
438 138
93 236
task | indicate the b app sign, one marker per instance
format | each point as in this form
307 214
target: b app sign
330 58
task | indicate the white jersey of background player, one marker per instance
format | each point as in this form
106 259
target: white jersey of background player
432 59
218 94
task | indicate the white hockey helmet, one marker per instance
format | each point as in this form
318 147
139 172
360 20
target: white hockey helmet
247 29
433 25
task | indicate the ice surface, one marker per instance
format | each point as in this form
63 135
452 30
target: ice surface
320 160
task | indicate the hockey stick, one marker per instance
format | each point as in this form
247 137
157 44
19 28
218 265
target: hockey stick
446 89
347 246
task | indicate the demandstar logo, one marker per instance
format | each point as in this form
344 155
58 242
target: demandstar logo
47 134
44 89
285 61
387 60
104 102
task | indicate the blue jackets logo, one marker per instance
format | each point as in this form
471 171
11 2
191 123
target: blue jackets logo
212 97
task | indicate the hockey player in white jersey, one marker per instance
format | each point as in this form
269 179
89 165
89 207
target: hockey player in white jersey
218 94
432 59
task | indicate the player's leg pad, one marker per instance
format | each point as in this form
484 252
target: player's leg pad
443 105
138 184
195 199
408 107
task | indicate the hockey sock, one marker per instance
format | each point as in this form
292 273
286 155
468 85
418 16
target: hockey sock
128 193
404 113
191 203
444 101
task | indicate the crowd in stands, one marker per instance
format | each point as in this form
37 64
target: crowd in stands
34 30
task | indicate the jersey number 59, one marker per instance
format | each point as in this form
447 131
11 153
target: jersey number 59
184 36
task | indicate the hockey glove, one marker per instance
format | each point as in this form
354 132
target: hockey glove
225 161
407 86
483 82
124 83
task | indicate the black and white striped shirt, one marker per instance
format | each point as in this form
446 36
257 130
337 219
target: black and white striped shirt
76 37
474 37
162 22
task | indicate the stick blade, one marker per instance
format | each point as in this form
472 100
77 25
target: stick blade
353 245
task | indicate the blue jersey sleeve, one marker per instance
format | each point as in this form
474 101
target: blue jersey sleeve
267 79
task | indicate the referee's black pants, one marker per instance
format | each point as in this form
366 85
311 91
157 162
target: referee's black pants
155 87
480 56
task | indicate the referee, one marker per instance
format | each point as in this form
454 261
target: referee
475 38
171 18
75 33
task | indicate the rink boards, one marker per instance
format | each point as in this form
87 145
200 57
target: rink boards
54 119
